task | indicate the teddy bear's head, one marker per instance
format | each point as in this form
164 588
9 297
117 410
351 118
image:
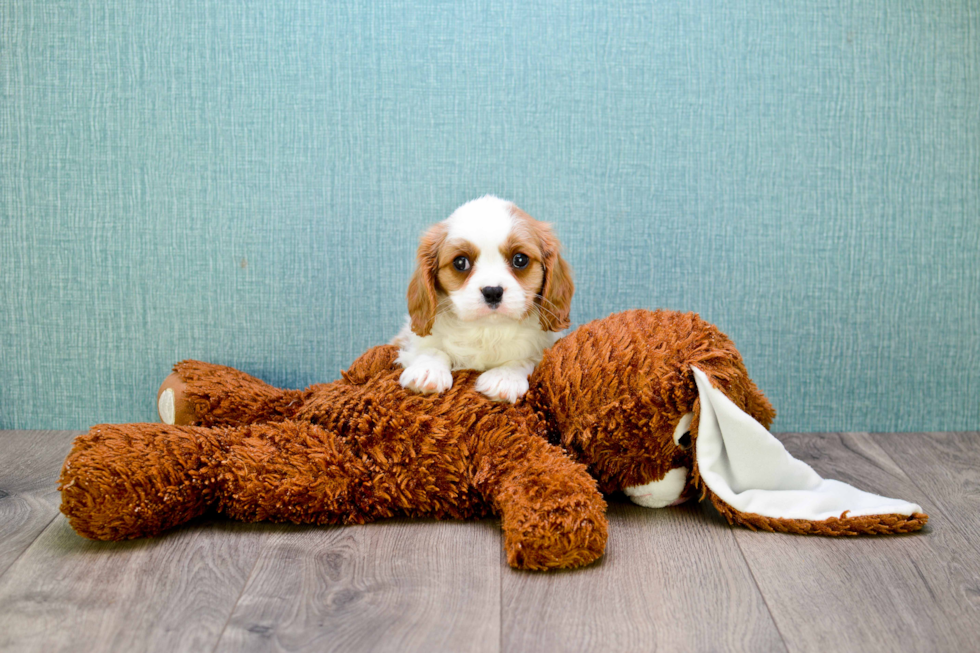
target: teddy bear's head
622 395
659 405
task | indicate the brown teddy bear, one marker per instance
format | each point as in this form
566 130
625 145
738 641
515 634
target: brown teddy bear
657 404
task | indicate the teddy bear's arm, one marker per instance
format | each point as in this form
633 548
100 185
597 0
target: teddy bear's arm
551 512
203 394
374 361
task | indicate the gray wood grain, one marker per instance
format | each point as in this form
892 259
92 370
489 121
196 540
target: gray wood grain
172 593
914 592
671 579
30 462
389 586
947 467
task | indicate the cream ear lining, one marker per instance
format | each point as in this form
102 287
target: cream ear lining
750 470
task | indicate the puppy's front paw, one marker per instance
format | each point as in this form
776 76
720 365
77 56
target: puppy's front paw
502 384
426 377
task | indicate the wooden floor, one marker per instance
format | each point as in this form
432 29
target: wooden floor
678 579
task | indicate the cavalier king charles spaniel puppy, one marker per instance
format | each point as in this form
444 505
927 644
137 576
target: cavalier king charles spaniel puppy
489 293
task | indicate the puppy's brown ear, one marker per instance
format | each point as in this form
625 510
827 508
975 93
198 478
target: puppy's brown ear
423 303
555 299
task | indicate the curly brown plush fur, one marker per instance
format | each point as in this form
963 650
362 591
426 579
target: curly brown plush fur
599 415
614 389
347 452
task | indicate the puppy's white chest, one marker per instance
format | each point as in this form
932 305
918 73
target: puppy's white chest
483 346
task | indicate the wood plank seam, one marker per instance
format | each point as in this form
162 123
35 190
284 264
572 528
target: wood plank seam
910 477
29 546
755 581
241 592
936 501
500 594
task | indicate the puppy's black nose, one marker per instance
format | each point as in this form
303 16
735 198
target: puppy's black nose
493 294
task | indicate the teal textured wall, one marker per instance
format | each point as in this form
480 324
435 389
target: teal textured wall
244 182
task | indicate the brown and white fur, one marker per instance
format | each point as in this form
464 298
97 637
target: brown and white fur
490 293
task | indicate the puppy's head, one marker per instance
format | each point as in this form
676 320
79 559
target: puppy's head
490 260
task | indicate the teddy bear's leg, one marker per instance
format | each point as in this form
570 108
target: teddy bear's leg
123 481
552 514
298 472
138 480
203 394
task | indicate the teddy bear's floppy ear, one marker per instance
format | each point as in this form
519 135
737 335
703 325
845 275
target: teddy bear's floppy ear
755 482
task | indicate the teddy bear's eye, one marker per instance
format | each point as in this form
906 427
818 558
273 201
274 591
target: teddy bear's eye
682 432
461 263
520 260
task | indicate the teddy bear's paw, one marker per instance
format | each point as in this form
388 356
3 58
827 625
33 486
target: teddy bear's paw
502 384
165 406
426 377
172 405
557 547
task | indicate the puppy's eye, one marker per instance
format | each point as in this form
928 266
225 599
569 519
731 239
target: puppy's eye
461 263
520 261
